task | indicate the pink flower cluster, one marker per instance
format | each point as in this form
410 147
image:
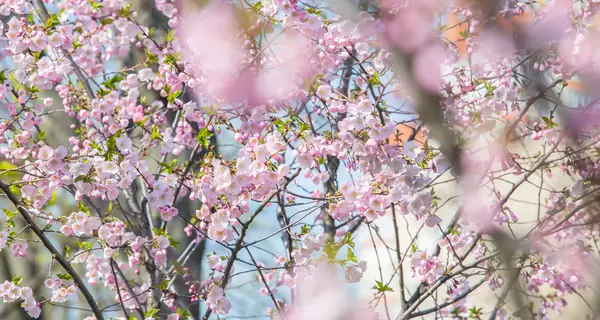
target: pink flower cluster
428 268
10 292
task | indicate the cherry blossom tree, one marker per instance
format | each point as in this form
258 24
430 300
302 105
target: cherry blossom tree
227 162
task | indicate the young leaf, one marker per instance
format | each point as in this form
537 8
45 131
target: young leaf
164 284
203 137
379 286
150 313
351 256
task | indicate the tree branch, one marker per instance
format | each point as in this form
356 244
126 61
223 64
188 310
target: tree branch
57 255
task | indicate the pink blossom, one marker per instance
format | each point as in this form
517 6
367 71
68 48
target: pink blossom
19 249
322 297
217 301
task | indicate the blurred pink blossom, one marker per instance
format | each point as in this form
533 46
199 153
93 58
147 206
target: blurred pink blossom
408 30
552 25
217 54
494 44
579 53
427 66
291 63
230 70
322 296
581 119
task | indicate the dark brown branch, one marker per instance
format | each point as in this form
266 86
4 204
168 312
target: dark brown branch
55 253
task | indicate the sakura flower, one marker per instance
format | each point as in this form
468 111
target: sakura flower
124 144
19 249
576 189
432 221
222 235
324 91
3 239
353 274
162 242
45 153
217 301
411 149
160 257
145 74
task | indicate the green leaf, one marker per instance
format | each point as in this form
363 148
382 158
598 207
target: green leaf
489 89
52 200
164 284
374 79
174 243
173 96
16 280
41 135
348 240
95 5
76 44
151 57
168 167
9 214
258 5
280 125
170 36
413 247
178 267
150 313
52 21
549 122
155 133
125 11
203 137
301 124
102 92
379 286
305 230
350 256
34 89
106 21
304 127
65 276
475 312
171 59
11 174
183 313
84 245
315 11
111 145
112 82
331 250
85 178
83 208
